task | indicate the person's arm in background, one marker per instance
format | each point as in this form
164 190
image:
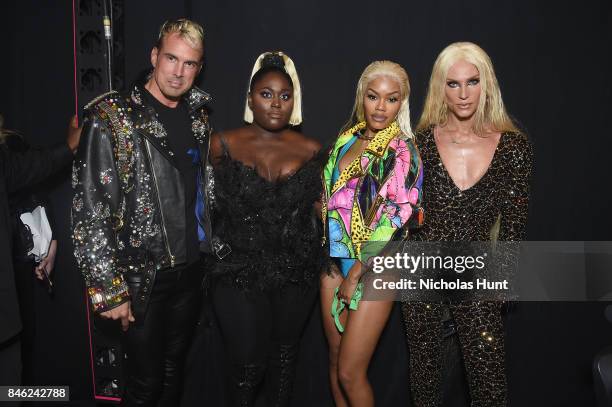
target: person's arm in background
32 166
28 166
48 263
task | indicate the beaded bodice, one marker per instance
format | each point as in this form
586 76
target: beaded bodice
271 226
502 194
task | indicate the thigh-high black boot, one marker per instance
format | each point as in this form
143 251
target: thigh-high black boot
245 321
281 375
244 384
291 307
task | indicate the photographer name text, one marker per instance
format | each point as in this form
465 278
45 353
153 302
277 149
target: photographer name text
432 284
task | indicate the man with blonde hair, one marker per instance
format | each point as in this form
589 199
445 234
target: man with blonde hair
137 228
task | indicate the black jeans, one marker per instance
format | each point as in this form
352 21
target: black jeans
262 332
156 347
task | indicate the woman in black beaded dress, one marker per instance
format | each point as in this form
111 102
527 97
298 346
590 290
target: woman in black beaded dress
267 184
476 188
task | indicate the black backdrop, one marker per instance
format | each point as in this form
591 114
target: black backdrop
553 63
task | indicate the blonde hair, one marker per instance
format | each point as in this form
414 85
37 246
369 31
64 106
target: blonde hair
491 113
189 30
289 68
375 70
4 133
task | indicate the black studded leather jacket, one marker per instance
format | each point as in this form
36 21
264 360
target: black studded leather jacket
128 215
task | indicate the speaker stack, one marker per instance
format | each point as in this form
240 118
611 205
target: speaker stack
100 67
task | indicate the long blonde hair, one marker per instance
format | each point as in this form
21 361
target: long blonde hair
375 70
491 113
4 133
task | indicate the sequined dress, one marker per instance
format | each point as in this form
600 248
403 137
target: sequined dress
494 208
271 226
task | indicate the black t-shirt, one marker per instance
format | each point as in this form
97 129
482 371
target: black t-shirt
177 123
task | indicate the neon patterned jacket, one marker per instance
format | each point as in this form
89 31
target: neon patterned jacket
377 197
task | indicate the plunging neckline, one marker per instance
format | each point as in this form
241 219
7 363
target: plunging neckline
447 174
253 170
278 181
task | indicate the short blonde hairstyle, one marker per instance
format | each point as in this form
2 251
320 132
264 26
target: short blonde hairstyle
189 30
289 68
375 70
491 113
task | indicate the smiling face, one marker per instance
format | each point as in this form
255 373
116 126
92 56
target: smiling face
271 100
175 66
462 90
381 102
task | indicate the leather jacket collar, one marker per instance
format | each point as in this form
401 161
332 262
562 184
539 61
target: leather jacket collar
194 98
147 124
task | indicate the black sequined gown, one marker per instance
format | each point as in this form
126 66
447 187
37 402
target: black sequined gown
272 227
496 205
268 283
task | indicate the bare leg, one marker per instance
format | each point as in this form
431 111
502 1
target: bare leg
329 282
359 340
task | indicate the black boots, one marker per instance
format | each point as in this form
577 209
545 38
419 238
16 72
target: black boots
245 380
281 374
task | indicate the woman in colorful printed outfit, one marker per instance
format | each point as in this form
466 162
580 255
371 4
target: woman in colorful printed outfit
372 184
267 183
478 167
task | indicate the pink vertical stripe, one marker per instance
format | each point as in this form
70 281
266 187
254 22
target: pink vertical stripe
91 357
